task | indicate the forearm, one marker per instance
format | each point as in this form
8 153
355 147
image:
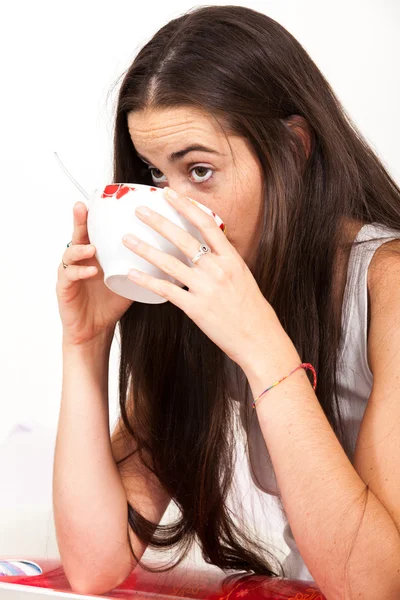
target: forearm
323 495
89 500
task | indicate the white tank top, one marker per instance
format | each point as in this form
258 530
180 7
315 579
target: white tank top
268 520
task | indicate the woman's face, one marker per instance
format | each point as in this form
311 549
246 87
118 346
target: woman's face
234 190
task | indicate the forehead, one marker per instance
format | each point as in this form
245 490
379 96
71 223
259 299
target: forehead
181 124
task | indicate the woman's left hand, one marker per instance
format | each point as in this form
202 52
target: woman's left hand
223 299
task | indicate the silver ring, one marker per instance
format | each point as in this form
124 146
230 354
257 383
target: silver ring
63 263
203 249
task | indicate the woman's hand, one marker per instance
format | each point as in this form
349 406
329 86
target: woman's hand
88 308
223 299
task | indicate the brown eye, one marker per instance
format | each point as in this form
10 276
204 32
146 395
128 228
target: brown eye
202 169
155 179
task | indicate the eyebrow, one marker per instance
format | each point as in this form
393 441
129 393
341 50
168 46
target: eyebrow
181 153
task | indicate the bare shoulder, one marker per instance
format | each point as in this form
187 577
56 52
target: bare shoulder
384 257
383 297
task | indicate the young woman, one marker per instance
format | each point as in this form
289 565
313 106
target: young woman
225 106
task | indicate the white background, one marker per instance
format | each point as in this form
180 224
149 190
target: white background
59 63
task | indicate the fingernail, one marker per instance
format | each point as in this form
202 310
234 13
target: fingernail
171 193
144 211
130 239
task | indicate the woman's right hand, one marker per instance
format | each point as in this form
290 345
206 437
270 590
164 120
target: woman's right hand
87 307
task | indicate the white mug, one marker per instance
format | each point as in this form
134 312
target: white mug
111 215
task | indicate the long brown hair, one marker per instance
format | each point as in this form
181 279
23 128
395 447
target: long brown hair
252 76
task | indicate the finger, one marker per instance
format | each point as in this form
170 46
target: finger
77 252
212 232
74 273
80 232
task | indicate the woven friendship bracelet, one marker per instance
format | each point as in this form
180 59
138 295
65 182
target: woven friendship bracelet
302 366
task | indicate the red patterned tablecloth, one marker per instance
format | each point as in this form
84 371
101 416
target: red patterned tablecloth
180 583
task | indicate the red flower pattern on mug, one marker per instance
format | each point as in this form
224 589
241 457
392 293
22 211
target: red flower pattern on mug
119 190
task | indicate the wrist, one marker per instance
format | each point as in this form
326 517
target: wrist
272 345
102 342
273 363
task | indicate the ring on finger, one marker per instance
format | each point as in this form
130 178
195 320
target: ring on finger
63 263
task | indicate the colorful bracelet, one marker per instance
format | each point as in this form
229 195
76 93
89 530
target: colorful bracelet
302 366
